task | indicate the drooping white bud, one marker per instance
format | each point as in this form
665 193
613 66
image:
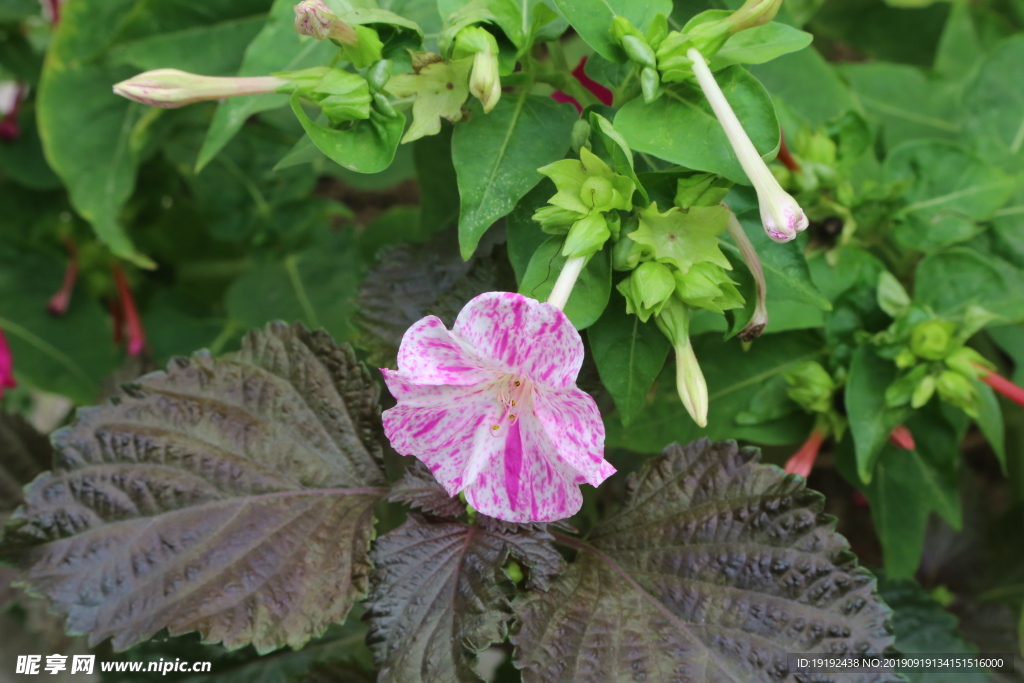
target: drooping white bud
782 217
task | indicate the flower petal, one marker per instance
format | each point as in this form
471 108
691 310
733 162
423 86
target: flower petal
441 425
521 478
522 336
429 354
573 424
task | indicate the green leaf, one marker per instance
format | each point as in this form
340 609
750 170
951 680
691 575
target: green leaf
680 127
213 49
366 146
68 355
950 191
629 355
277 48
87 134
414 280
760 44
315 287
589 296
592 20
713 558
923 627
22 159
734 377
258 471
871 421
497 155
990 420
902 493
960 46
952 280
786 78
994 100
440 596
904 102
439 190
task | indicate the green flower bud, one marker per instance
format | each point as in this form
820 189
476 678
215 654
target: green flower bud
674 323
650 84
626 254
905 358
514 572
966 361
484 80
923 392
957 390
586 236
622 27
811 386
597 192
379 75
754 13
932 339
816 147
555 220
580 135
706 285
647 289
900 392
657 31
701 189
639 51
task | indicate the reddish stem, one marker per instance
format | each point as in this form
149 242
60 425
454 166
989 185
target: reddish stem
803 460
1003 386
559 96
902 438
60 301
136 335
600 92
54 12
6 366
784 155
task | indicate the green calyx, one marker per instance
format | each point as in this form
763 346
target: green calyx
932 339
812 387
647 289
707 285
587 191
341 95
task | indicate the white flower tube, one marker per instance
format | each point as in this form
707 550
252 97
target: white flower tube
171 88
781 215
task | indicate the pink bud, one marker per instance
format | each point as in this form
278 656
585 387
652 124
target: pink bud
136 335
6 366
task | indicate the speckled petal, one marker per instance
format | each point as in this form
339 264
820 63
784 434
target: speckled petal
574 425
522 336
441 425
430 355
522 480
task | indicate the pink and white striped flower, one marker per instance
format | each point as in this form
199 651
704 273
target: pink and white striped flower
492 408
